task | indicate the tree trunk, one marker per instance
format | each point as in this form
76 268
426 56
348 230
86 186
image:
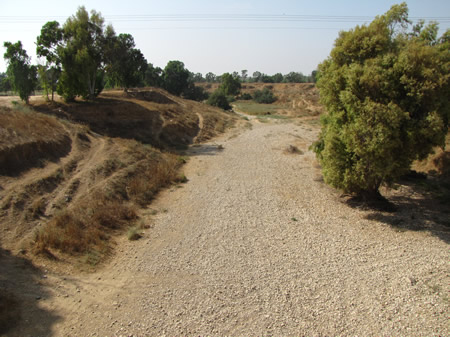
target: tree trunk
91 86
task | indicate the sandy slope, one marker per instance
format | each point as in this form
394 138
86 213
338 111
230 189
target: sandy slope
253 245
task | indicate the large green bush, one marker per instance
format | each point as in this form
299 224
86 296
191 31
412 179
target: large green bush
386 88
230 85
264 96
219 99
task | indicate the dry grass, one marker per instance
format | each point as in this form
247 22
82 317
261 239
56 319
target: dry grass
143 187
85 227
27 138
22 125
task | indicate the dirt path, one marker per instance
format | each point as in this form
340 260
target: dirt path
254 244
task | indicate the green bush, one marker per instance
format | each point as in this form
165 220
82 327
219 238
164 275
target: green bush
230 85
195 93
246 97
219 99
386 93
264 96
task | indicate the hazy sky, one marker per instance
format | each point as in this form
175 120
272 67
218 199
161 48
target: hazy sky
219 36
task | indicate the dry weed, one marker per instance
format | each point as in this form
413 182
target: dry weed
86 227
148 181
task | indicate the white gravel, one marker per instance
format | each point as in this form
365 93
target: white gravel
255 245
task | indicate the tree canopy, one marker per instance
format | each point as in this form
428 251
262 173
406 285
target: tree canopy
230 85
175 77
22 75
126 65
386 90
82 56
47 46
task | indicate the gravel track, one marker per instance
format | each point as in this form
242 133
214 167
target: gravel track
254 244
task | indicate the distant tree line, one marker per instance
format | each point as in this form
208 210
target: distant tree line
258 77
83 56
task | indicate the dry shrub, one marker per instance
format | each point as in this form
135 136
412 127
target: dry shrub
292 149
37 208
112 214
134 234
86 227
146 183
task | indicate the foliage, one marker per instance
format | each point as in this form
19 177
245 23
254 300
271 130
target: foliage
195 93
4 82
153 76
294 77
244 75
210 77
245 96
48 77
386 92
22 75
267 79
265 96
278 78
126 65
197 78
46 46
175 77
82 55
219 99
230 85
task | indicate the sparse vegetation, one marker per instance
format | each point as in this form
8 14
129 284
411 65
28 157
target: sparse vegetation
134 233
256 109
85 227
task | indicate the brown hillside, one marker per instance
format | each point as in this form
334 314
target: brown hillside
74 173
151 116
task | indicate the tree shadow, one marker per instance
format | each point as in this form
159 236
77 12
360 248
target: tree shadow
21 291
421 205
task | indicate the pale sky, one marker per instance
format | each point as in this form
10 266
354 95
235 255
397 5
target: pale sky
218 36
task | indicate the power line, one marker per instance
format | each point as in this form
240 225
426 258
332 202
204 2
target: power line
220 17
